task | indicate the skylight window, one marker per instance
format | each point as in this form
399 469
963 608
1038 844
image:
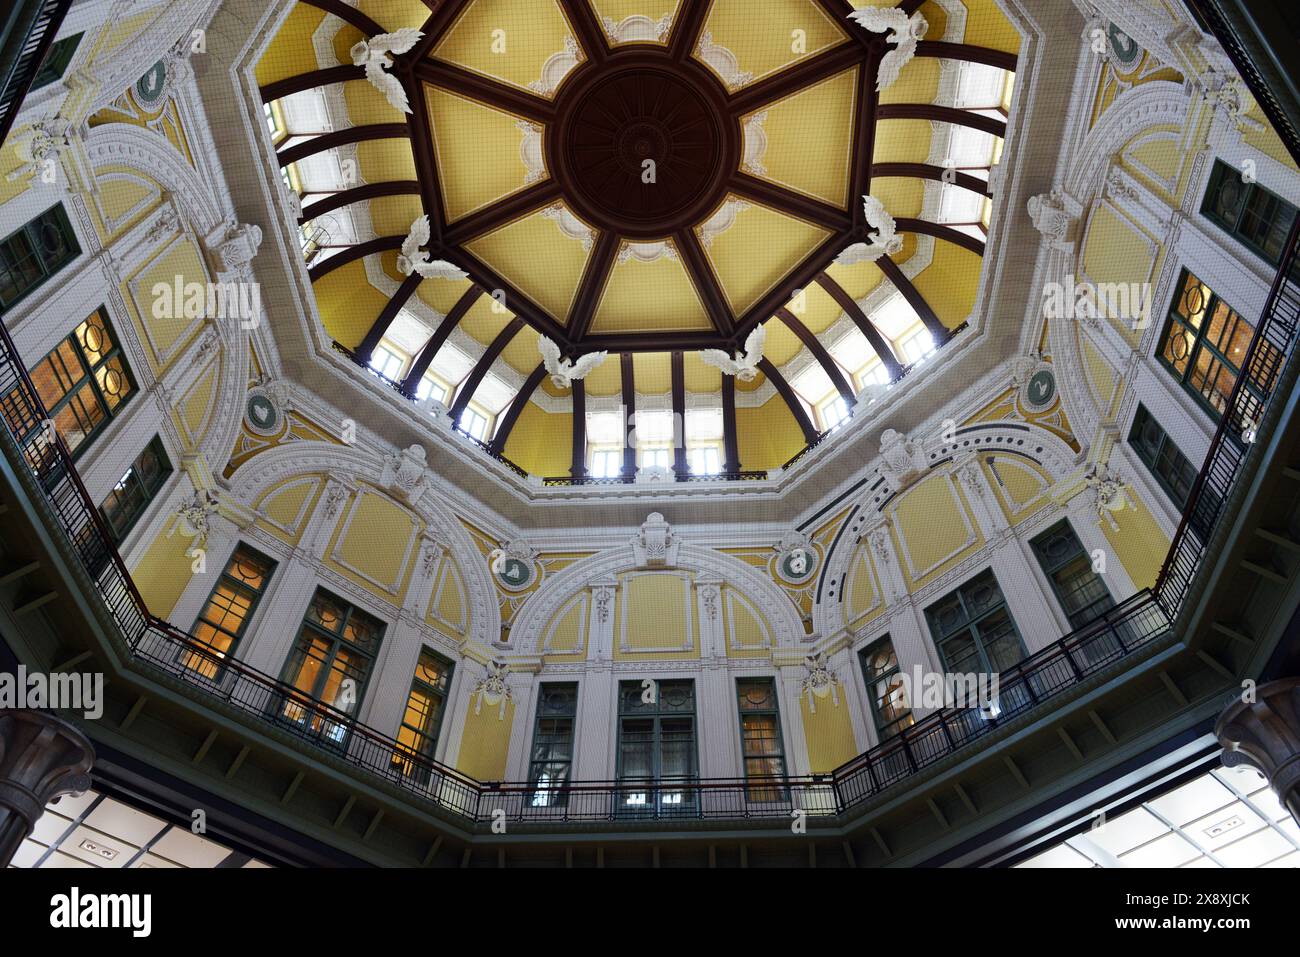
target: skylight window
705 460
980 87
387 362
606 463
895 317
813 384
834 413
917 347
450 364
475 423
605 428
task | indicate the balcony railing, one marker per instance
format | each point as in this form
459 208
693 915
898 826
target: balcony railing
28 33
33 444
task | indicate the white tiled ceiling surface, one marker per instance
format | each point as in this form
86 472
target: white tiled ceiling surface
1224 818
96 831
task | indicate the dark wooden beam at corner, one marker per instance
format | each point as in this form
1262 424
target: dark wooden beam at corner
307 81
679 411
929 171
592 286
379 328
864 135
967 52
628 379
347 14
353 134
940 231
941 114
471 384
687 26
591 35
578 463
511 415
430 349
810 433
793 204
353 253
879 344
938 331
358 194
819 352
438 23
730 444
706 283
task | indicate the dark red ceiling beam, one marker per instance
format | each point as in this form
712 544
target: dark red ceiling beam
578 460
706 283
864 136
445 13
476 86
688 23
379 328
929 171
358 194
426 165
353 134
839 10
430 348
803 73
349 15
940 231
810 433
353 253
654 342
517 405
787 201
879 344
503 211
471 384
591 35
967 52
730 445
805 273
514 300
627 378
677 362
824 358
938 331
941 114
307 81
592 285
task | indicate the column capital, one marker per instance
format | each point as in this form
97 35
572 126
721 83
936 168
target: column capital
42 757
1265 734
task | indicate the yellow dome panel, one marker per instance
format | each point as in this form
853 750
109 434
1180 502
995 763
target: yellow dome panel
760 43
477 151
759 251
538 259
636 20
645 296
821 114
510 40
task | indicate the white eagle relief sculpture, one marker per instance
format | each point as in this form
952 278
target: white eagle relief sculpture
904 32
884 240
564 372
745 365
373 54
412 259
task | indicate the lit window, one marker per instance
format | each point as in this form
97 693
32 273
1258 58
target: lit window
917 347
474 423
834 413
552 755
876 375
387 363
606 463
225 617
706 460
762 751
431 387
417 738
656 457
886 692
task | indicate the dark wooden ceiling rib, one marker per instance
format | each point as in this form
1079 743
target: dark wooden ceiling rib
939 231
517 404
512 99
353 134
687 26
839 10
353 253
864 136
650 341
678 365
788 201
515 301
819 352
783 292
307 81
426 166
967 52
501 212
578 461
599 265
942 114
910 6
471 384
591 35
706 283
356 195
627 378
730 445
929 171
430 349
792 400
938 331
436 26
804 73
879 344
379 328
349 15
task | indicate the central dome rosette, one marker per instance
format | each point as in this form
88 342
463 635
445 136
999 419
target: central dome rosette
644 145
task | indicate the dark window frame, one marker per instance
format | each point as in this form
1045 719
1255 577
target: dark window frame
427 737
238 585
653 787
56 218
973 623
555 719
1152 459
57 60
767 792
1277 221
885 729
1054 569
147 490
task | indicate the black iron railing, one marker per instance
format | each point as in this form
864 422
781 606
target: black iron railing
28 33
575 481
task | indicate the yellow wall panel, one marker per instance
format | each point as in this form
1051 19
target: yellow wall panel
828 732
485 743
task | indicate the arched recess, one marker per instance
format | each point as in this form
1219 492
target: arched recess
1031 441
527 634
300 458
1155 104
121 144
